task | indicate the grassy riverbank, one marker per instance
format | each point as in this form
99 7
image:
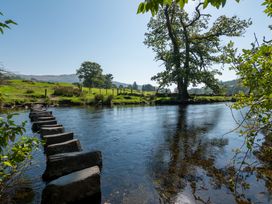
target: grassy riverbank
21 92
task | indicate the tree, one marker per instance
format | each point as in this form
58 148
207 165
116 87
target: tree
134 86
5 24
148 87
90 73
120 88
189 47
108 81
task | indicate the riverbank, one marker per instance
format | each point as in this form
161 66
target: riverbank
22 93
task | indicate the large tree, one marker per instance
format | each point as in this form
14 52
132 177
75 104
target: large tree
90 73
188 46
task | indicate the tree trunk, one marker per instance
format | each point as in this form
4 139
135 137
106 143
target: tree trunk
183 94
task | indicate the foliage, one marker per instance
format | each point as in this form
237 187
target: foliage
108 81
66 91
268 9
6 24
148 87
134 86
29 91
98 99
188 47
109 99
15 151
255 68
91 74
153 5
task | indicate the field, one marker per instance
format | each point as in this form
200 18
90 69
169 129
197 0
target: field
20 92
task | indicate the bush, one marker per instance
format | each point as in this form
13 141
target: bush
98 99
28 81
29 91
109 100
67 91
15 153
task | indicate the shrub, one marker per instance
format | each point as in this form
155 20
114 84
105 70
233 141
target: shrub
15 153
67 91
98 99
109 100
28 81
29 91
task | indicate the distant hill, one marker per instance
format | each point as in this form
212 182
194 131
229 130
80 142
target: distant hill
231 87
68 78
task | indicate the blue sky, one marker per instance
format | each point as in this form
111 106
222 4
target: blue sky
56 36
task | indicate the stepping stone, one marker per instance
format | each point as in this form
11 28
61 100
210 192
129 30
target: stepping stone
58 138
37 125
40 113
73 187
36 117
62 164
56 125
51 130
43 118
63 147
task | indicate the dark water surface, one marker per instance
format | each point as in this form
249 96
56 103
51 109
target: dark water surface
157 154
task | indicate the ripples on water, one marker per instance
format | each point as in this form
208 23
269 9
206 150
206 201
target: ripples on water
156 154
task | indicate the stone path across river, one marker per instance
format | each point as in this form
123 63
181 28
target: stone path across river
72 175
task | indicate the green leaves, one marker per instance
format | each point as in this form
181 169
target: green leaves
6 24
153 5
15 149
268 9
254 66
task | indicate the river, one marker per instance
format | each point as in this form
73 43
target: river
157 154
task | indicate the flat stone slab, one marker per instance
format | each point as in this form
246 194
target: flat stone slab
64 147
36 117
51 130
62 164
73 187
42 118
56 125
40 113
37 125
58 138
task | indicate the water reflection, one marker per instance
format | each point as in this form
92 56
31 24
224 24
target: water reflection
189 155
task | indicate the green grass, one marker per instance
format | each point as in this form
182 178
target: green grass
23 91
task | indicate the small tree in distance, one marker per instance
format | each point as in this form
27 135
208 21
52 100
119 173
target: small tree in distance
108 81
90 73
134 86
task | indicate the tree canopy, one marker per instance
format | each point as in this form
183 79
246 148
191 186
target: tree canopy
135 86
108 81
90 73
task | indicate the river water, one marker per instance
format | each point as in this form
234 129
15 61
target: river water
158 154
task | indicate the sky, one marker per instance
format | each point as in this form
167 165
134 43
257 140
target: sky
56 36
